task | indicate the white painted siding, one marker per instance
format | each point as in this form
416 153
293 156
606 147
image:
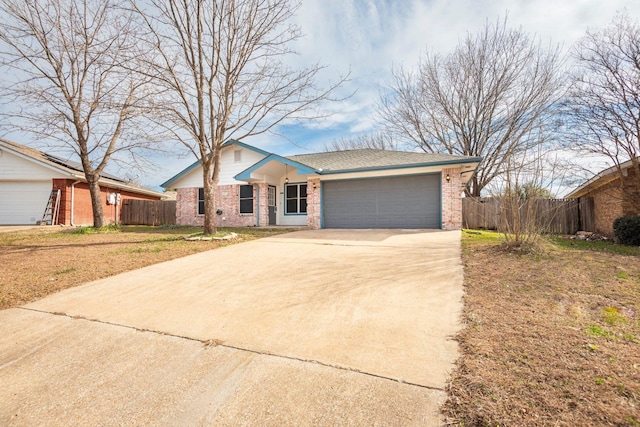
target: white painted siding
25 186
16 168
228 168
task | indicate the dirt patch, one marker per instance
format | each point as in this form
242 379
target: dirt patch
550 339
37 262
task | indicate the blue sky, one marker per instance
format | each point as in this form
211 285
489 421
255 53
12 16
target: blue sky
368 37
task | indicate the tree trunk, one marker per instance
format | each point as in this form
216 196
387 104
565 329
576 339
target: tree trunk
209 203
473 188
96 202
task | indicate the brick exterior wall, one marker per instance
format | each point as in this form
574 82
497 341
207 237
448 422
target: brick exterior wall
313 203
82 211
227 200
187 207
631 201
609 203
451 199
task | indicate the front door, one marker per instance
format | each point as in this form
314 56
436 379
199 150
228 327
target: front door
272 205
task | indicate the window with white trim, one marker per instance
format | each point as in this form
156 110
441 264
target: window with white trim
246 199
295 198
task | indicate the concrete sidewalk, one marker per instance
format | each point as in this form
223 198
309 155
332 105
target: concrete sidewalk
335 327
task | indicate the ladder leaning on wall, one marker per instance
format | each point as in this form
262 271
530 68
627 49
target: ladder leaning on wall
50 216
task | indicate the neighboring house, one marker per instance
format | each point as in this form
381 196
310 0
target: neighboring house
613 197
363 188
28 176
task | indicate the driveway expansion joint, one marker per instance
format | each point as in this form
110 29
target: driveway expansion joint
218 343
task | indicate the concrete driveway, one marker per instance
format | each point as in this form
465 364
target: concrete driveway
327 327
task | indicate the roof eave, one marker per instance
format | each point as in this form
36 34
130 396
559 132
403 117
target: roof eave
471 161
231 141
603 177
591 185
49 165
183 172
167 184
301 168
111 183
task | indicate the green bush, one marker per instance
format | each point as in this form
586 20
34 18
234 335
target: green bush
627 230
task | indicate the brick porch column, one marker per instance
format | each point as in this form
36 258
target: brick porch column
451 199
263 205
313 203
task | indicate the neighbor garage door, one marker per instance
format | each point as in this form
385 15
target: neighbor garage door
393 202
23 202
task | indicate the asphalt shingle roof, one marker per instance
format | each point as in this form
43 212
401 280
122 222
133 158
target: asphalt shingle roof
366 158
50 159
64 164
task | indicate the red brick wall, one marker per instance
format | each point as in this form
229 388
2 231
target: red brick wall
609 203
452 199
631 201
228 200
82 211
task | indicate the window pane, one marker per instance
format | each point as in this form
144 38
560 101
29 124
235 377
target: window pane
272 196
303 190
292 191
246 206
292 206
200 201
246 191
303 205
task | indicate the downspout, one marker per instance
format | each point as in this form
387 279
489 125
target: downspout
72 201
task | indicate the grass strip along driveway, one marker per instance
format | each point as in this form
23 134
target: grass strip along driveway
40 261
551 338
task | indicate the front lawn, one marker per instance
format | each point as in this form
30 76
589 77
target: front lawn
37 262
551 338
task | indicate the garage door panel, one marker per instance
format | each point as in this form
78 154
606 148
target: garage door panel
390 202
23 203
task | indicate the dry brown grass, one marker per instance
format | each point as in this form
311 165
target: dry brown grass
549 339
37 262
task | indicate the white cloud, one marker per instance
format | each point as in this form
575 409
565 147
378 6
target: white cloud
369 37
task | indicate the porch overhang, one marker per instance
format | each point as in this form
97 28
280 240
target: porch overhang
273 166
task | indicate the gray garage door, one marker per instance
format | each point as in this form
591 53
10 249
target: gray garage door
393 202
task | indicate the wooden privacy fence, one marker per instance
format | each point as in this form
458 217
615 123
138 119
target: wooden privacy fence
148 212
556 216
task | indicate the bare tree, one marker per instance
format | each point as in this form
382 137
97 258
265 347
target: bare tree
68 58
222 67
604 100
377 140
493 96
524 193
